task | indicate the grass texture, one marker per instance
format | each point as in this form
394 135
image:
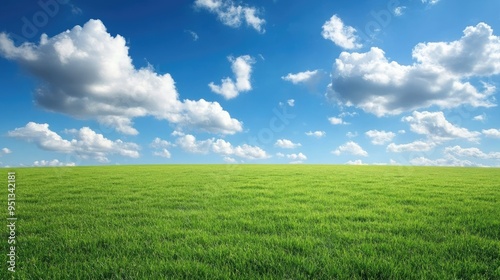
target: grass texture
256 222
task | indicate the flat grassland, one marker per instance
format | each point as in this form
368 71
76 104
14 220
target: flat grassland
256 222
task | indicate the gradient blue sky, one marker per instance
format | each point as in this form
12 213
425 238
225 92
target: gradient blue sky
411 82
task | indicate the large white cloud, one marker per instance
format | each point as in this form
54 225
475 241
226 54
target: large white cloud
440 75
219 146
87 143
233 15
380 137
342 35
242 69
87 73
435 127
350 148
286 144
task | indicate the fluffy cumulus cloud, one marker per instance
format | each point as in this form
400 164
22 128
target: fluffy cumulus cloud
317 133
336 121
493 133
219 146
160 147
454 156
242 69
471 152
380 137
291 102
448 160
435 127
440 75
233 15
5 151
352 148
295 157
342 35
55 162
286 144
355 162
87 144
301 77
88 74
416 146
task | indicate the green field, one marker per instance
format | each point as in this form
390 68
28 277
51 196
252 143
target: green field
255 222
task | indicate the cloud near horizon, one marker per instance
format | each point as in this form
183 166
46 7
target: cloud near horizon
86 144
88 74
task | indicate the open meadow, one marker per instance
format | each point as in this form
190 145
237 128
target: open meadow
256 222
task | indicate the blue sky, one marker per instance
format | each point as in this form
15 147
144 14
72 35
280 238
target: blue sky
407 82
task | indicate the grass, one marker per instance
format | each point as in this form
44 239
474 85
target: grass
256 222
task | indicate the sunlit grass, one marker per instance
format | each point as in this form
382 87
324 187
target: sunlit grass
257 221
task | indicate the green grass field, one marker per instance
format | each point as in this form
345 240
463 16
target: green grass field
256 222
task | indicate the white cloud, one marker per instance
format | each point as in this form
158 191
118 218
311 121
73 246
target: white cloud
233 15
219 146
355 162
88 74
193 34
336 121
440 75
189 144
479 118
160 147
471 152
431 2
290 102
301 77
229 160
416 146
163 153
350 148
342 35
6 151
352 134
435 126
87 143
286 144
399 11
448 160
297 157
317 134
55 162
158 143
242 69
380 137
280 155
493 133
